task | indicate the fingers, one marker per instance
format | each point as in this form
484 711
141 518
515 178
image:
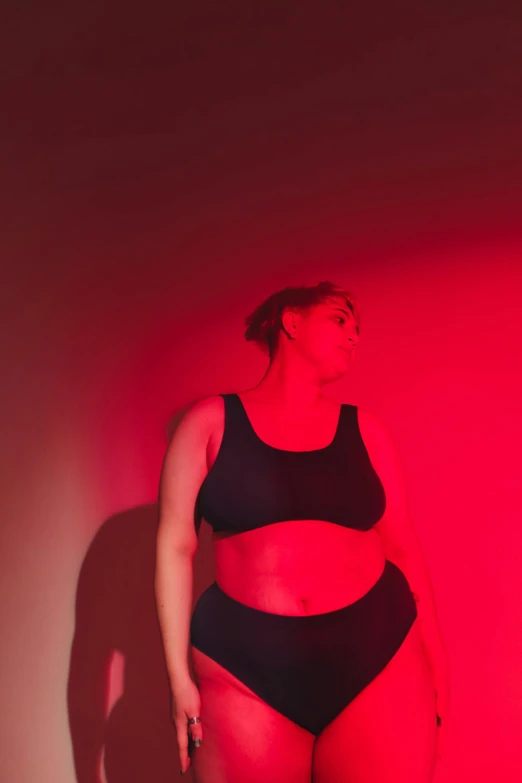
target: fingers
183 747
441 741
196 734
190 736
442 733
185 706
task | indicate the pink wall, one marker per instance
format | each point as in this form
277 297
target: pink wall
162 176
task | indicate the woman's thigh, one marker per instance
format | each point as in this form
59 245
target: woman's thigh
388 732
244 739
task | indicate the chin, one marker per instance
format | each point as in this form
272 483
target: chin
335 375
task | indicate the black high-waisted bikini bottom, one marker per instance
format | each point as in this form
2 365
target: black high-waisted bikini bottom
307 667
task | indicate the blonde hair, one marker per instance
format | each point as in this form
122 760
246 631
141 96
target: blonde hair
264 323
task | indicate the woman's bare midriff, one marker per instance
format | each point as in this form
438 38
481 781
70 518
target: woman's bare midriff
298 567
295 567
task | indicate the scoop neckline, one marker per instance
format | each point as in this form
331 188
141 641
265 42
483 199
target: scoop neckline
292 451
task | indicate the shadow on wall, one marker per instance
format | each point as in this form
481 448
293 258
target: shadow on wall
116 616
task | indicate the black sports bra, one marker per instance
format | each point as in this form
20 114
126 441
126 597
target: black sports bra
252 484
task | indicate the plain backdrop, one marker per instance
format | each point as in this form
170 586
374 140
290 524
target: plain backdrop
166 168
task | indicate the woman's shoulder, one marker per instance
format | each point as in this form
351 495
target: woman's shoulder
200 416
376 435
206 408
369 419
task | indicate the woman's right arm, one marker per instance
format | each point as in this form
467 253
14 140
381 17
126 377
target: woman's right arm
184 469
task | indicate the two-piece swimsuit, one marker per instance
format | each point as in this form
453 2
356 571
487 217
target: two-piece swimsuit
307 667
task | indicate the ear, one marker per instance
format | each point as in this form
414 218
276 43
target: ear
289 323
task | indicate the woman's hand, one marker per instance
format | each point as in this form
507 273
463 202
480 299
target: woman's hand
442 693
185 703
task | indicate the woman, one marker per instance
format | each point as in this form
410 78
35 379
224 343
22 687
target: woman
316 653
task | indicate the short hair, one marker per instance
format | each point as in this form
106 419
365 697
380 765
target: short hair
265 322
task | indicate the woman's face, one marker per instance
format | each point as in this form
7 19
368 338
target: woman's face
326 336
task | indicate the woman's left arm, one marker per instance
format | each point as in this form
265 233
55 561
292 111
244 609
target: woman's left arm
400 542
